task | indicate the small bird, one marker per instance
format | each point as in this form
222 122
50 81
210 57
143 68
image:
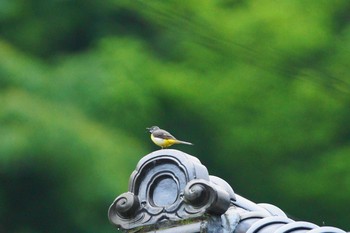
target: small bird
163 138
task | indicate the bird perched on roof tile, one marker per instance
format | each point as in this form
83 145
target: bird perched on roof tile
163 138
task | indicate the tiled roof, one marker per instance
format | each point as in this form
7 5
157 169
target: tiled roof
172 192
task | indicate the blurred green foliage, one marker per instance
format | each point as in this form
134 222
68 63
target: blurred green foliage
262 88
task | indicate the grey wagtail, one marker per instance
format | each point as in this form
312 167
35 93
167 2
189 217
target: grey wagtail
163 138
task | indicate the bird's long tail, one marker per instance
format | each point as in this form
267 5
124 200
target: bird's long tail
183 142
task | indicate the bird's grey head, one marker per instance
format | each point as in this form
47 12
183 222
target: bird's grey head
152 129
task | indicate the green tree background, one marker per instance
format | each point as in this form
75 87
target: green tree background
262 88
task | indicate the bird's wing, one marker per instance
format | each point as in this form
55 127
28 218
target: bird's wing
163 134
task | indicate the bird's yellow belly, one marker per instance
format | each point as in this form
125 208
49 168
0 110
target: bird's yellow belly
163 142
